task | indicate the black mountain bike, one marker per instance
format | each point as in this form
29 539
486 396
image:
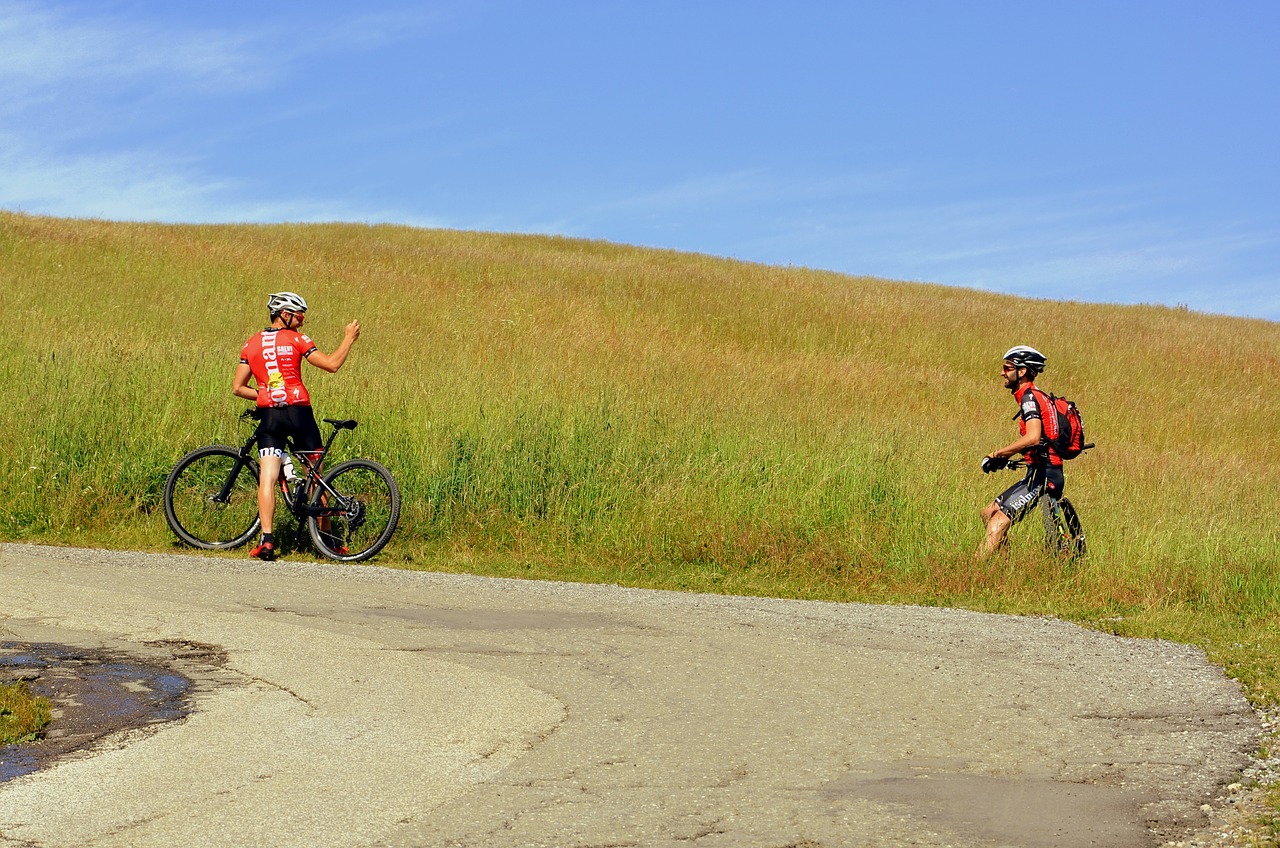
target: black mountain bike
211 499
1064 535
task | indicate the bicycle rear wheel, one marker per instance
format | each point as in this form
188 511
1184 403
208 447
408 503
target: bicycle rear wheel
362 517
1063 533
211 498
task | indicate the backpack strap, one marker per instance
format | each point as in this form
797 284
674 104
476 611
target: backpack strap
1048 407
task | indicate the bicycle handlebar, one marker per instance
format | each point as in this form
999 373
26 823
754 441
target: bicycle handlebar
989 465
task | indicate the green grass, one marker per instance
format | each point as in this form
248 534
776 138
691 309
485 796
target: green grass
23 717
1268 833
576 410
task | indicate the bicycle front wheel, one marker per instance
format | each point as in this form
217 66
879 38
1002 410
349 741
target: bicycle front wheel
1071 519
211 498
1063 533
358 509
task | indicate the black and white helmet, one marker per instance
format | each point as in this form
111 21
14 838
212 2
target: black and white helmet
281 301
1026 357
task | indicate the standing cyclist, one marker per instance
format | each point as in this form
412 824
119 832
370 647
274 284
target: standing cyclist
1038 423
273 358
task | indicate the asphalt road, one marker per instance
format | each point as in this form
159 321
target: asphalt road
364 706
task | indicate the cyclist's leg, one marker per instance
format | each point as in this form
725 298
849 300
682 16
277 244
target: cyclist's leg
1054 485
269 465
313 458
1009 508
271 446
997 524
304 433
308 444
1062 525
1054 482
272 436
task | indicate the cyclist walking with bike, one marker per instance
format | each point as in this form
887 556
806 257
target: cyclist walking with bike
1038 425
273 359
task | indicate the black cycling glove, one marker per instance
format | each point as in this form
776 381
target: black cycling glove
993 463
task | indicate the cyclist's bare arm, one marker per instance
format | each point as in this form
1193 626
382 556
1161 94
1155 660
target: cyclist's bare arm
331 362
1034 431
240 384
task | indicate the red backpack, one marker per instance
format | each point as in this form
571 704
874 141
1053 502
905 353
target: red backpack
1069 443
1070 440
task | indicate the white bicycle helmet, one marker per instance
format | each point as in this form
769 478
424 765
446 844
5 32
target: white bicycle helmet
281 301
1026 357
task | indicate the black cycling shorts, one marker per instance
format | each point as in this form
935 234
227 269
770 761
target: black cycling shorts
282 425
1020 498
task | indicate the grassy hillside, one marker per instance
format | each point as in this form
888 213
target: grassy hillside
587 411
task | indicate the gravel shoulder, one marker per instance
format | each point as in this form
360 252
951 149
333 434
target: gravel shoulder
366 706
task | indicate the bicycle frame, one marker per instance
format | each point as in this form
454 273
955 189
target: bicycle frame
312 479
308 483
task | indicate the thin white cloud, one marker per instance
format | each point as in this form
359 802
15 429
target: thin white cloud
1084 252
1101 244
42 48
72 83
141 187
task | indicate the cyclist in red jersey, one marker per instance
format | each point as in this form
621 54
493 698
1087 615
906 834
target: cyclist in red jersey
1037 424
273 359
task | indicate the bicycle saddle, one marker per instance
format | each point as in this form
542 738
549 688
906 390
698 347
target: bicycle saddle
344 424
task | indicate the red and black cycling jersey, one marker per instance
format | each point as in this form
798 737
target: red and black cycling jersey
275 358
1032 404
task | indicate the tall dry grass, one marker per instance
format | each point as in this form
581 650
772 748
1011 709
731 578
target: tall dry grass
589 411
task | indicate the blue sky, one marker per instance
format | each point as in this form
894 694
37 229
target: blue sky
1113 152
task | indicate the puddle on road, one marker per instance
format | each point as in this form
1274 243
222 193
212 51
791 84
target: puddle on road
94 693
